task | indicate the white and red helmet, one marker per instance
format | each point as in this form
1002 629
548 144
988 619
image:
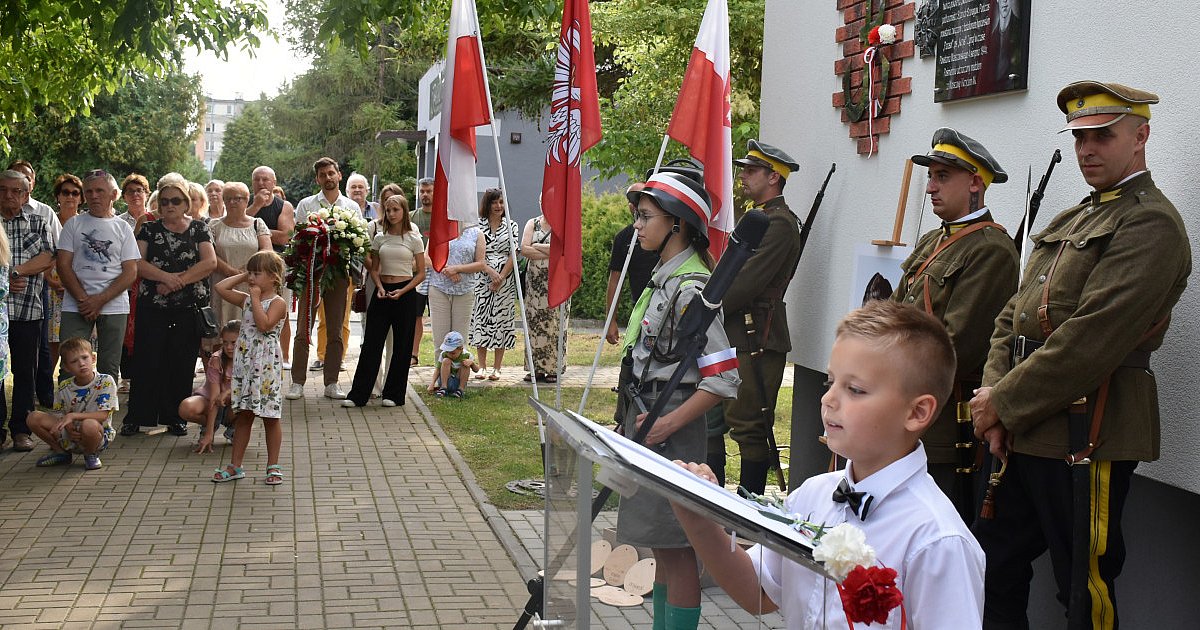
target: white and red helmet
682 197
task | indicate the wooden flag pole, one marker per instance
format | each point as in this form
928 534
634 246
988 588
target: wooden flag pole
900 207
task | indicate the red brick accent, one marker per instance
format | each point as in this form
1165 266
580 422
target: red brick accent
854 15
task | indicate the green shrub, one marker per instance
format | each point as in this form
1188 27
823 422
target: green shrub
603 216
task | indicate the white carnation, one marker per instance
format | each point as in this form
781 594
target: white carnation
339 224
887 34
841 549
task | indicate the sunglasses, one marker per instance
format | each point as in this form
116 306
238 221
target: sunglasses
68 193
172 201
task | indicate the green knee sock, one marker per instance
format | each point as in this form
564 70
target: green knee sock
659 599
682 618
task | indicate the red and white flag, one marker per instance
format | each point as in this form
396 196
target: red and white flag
574 128
717 362
702 119
465 106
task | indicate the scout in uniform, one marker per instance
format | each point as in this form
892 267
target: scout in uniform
672 219
755 316
961 273
1094 302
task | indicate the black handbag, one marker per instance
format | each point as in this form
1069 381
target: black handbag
206 322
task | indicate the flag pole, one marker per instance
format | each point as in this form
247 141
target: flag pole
612 308
512 242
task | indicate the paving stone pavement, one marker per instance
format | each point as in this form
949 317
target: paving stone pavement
369 530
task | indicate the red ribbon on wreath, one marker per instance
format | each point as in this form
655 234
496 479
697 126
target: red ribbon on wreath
314 260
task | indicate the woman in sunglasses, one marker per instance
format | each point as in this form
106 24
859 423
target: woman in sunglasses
177 257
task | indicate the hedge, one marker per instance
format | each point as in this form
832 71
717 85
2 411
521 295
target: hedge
603 216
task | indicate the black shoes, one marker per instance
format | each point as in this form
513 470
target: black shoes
177 429
129 429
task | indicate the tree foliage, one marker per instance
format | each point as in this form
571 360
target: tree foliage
249 142
62 54
147 126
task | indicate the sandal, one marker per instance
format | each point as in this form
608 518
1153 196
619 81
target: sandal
549 378
221 475
274 475
529 377
415 361
494 376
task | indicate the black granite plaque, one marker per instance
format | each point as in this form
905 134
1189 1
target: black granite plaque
983 48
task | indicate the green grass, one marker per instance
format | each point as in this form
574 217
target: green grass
495 430
581 350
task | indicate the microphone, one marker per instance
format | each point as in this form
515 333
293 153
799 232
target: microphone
744 241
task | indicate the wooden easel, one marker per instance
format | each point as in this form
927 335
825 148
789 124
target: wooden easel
900 207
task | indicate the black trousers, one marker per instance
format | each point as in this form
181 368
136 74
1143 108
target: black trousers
44 379
1033 515
165 343
399 316
22 362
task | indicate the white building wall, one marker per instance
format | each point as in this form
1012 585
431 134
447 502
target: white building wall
1142 44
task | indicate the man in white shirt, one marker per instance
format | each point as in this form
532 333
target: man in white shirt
97 263
333 300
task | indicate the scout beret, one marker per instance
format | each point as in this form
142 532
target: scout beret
955 149
1091 104
767 156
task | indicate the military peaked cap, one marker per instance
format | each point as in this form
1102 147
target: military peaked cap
767 156
955 149
1091 104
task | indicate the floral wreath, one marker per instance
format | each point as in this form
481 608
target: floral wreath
330 244
874 33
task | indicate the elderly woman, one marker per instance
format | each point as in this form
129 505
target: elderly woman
496 291
177 257
68 192
135 190
236 237
199 199
216 203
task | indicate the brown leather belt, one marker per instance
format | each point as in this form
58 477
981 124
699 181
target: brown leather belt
1024 346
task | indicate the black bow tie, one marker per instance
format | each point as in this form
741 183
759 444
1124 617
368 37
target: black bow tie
860 502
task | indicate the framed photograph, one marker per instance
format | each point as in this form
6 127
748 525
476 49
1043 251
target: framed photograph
876 272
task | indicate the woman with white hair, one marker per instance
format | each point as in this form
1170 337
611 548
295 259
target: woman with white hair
235 238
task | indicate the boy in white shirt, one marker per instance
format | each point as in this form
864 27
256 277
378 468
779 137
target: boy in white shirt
83 408
890 370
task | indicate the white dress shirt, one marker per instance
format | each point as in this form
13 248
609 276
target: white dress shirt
914 530
313 203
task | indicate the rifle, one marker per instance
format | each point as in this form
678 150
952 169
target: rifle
812 212
1035 202
996 473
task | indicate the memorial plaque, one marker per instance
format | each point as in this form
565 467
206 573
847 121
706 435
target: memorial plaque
983 48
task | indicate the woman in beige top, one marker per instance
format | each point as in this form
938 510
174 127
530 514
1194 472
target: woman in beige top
236 237
397 265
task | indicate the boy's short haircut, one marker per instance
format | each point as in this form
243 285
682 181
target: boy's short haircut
913 334
267 262
74 344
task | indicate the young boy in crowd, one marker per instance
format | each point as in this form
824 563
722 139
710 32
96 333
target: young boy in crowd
83 407
890 370
454 365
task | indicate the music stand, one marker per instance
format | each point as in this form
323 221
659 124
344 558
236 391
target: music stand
573 445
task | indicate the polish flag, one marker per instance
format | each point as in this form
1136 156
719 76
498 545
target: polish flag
464 107
702 119
574 128
717 362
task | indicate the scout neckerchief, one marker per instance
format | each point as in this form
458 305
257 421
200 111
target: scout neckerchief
692 265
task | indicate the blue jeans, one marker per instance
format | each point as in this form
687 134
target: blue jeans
453 385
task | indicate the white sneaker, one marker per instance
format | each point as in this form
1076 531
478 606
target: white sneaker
333 391
295 392
287 365
387 402
348 403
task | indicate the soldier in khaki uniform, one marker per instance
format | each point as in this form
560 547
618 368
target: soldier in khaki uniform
1094 303
755 316
961 273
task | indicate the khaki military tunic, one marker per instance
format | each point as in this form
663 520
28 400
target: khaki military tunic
969 283
1126 262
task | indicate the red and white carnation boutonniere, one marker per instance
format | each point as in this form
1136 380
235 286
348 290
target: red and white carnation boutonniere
869 593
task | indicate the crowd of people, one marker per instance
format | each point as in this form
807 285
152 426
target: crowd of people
154 279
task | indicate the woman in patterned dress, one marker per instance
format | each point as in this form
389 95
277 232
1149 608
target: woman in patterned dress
177 258
496 293
543 321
